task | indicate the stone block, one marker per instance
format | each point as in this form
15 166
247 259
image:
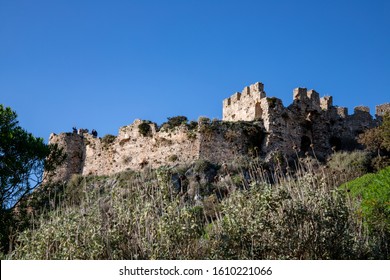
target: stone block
299 93
326 102
382 109
257 87
359 109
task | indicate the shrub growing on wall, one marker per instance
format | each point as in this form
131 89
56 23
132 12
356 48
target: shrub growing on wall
177 121
144 129
108 139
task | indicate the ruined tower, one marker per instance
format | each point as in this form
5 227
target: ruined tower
310 121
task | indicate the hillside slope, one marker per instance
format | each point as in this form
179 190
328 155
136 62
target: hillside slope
250 212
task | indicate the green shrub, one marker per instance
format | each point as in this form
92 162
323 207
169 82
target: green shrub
203 120
192 125
177 121
300 221
191 135
173 158
272 101
174 122
108 139
349 164
202 166
144 129
371 194
378 163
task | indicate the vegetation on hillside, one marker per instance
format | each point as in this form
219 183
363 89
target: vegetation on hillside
250 212
371 195
377 141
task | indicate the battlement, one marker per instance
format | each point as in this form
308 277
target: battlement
361 109
299 93
382 109
326 102
309 99
248 105
257 87
241 105
253 91
342 112
314 96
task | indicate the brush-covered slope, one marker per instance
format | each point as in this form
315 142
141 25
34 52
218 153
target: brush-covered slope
200 211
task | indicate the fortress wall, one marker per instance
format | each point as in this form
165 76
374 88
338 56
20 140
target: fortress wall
223 142
381 110
131 150
252 124
326 102
73 146
216 142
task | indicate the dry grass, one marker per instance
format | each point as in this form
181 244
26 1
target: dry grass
254 213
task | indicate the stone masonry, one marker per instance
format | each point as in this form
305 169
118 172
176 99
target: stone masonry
253 125
381 110
212 141
309 124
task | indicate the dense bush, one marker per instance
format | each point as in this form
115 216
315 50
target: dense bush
174 122
192 125
144 129
345 166
108 139
377 141
371 194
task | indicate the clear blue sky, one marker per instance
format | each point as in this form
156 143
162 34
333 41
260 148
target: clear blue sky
102 64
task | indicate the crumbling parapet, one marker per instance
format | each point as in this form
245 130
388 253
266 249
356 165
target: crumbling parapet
308 99
308 120
361 119
326 102
227 102
382 109
242 105
361 109
132 131
299 94
342 112
257 87
236 97
314 97
211 140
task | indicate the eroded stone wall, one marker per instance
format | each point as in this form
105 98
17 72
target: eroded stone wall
381 110
215 141
253 124
73 145
132 150
245 105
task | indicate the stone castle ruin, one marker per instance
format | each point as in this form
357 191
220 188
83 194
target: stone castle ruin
253 125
